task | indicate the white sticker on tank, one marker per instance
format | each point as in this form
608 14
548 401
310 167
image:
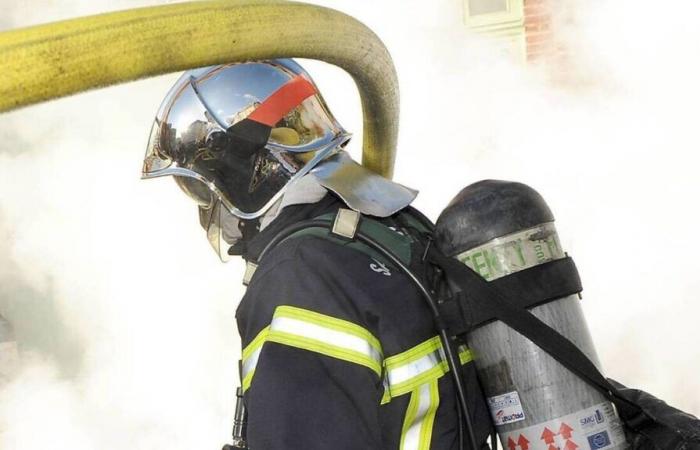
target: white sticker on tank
506 408
594 428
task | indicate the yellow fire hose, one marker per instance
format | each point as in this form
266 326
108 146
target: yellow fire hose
63 58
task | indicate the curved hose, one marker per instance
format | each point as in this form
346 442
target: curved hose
63 58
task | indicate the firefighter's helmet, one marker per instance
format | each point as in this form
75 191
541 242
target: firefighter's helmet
237 135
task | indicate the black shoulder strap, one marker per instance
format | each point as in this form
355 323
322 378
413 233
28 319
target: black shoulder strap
498 304
527 288
322 227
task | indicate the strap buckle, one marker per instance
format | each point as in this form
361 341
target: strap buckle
346 223
250 268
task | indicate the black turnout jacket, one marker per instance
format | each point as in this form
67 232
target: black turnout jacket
339 350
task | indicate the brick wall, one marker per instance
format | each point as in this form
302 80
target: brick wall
539 42
536 31
544 41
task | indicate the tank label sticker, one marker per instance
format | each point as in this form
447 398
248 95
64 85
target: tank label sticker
594 428
514 252
506 408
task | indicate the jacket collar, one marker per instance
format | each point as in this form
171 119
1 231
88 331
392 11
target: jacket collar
288 216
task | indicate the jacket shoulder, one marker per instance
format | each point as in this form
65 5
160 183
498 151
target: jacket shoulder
313 274
303 252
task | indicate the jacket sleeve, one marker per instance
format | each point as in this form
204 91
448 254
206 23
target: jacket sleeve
311 363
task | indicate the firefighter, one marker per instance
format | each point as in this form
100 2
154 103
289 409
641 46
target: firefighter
339 348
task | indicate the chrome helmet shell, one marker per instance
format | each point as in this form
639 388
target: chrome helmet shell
237 135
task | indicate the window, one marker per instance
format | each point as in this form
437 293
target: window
501 19
494 14
479 7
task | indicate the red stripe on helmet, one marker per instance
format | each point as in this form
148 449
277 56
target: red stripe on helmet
283 100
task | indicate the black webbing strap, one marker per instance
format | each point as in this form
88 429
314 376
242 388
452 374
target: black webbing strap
526 289
501 305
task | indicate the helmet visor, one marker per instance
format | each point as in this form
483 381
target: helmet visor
222 228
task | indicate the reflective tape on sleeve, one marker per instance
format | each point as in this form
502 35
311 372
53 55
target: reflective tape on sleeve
417 371
315 332
250 358
421 364
326 335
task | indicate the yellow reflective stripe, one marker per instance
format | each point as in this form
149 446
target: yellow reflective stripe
426 432
255 343
329 322
386 397
407 371
417 429
324 348
245 384
413 353
409 418
409 386
319 333
465 355
249 358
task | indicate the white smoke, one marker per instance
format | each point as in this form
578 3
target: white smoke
125 316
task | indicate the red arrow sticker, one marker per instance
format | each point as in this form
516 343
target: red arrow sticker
548 436
570 445
511 443
565 430
523 442
570 432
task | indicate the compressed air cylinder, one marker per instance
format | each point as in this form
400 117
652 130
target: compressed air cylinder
8 350
498 228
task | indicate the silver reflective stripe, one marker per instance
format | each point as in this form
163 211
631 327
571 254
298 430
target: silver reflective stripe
425 362
334 337
420 416
250 362
315 332
413 369
412 437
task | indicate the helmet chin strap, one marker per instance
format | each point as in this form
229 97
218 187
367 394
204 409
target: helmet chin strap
249 228
230 234
306 190
227 234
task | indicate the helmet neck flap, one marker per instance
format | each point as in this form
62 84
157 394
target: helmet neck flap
360 188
